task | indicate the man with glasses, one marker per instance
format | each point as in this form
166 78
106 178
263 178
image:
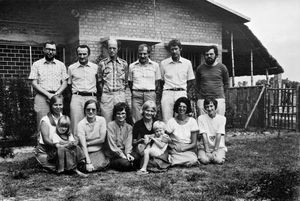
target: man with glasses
143 79
212 80
112 75
83 80
49 77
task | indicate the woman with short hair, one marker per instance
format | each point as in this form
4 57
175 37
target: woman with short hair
92 134
119 139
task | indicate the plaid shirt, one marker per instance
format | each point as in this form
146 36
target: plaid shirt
113 74
49 75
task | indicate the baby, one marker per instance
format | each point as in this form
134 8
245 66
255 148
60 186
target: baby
156 144
68 153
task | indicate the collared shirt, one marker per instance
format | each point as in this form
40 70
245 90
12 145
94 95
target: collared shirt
119 138
113 74
49 75
92 131
176 73
143 76
83 77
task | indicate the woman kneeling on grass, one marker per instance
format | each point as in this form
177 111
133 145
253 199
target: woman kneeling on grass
156 144
46 150
119 139
183 133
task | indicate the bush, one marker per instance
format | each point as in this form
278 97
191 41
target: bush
16 107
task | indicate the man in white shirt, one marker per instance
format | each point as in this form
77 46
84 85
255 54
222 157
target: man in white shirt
143 78
49 77
177 75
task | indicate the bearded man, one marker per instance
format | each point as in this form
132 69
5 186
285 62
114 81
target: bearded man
212 80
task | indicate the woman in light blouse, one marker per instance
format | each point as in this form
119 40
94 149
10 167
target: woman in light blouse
92 134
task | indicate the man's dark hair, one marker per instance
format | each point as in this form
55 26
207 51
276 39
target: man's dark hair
142 46
84 46
174 42
215 48
49 42
209 100
185 101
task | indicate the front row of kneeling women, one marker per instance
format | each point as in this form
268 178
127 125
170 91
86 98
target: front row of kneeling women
118 145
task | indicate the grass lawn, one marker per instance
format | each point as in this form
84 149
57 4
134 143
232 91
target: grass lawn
257 168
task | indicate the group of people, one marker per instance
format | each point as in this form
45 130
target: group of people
120 138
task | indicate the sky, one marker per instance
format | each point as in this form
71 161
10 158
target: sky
276 24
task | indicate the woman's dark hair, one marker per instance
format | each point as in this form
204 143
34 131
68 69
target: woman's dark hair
209 100
120 107
185 101
90 102
53 100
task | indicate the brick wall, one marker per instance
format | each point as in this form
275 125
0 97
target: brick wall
15 60
33 22
165 20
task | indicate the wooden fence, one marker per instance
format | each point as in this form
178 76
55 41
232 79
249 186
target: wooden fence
239 104
277 108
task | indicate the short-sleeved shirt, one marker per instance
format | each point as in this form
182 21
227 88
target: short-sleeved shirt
143 76
176 73
92 131
212 126
83 77
49 75
182 133
119 138
113 74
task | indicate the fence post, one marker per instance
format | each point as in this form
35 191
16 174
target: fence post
298 108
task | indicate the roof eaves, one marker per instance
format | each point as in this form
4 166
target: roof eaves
244 17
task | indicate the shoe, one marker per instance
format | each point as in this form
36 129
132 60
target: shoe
141 172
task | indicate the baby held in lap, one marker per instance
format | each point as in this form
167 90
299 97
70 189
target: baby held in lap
156 144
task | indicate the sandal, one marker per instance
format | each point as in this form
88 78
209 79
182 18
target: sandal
141 172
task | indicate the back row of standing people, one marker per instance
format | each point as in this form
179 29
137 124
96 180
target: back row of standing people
112 76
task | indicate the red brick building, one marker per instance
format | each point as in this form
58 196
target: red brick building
26 24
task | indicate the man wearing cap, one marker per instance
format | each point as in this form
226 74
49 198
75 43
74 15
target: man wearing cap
177 74
83 81
144 75
113 78
49 77
212 80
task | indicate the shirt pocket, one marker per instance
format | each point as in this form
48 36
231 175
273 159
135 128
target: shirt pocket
107 74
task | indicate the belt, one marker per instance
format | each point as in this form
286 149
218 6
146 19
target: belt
52 92
85 93
114 90
143 90
175 89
